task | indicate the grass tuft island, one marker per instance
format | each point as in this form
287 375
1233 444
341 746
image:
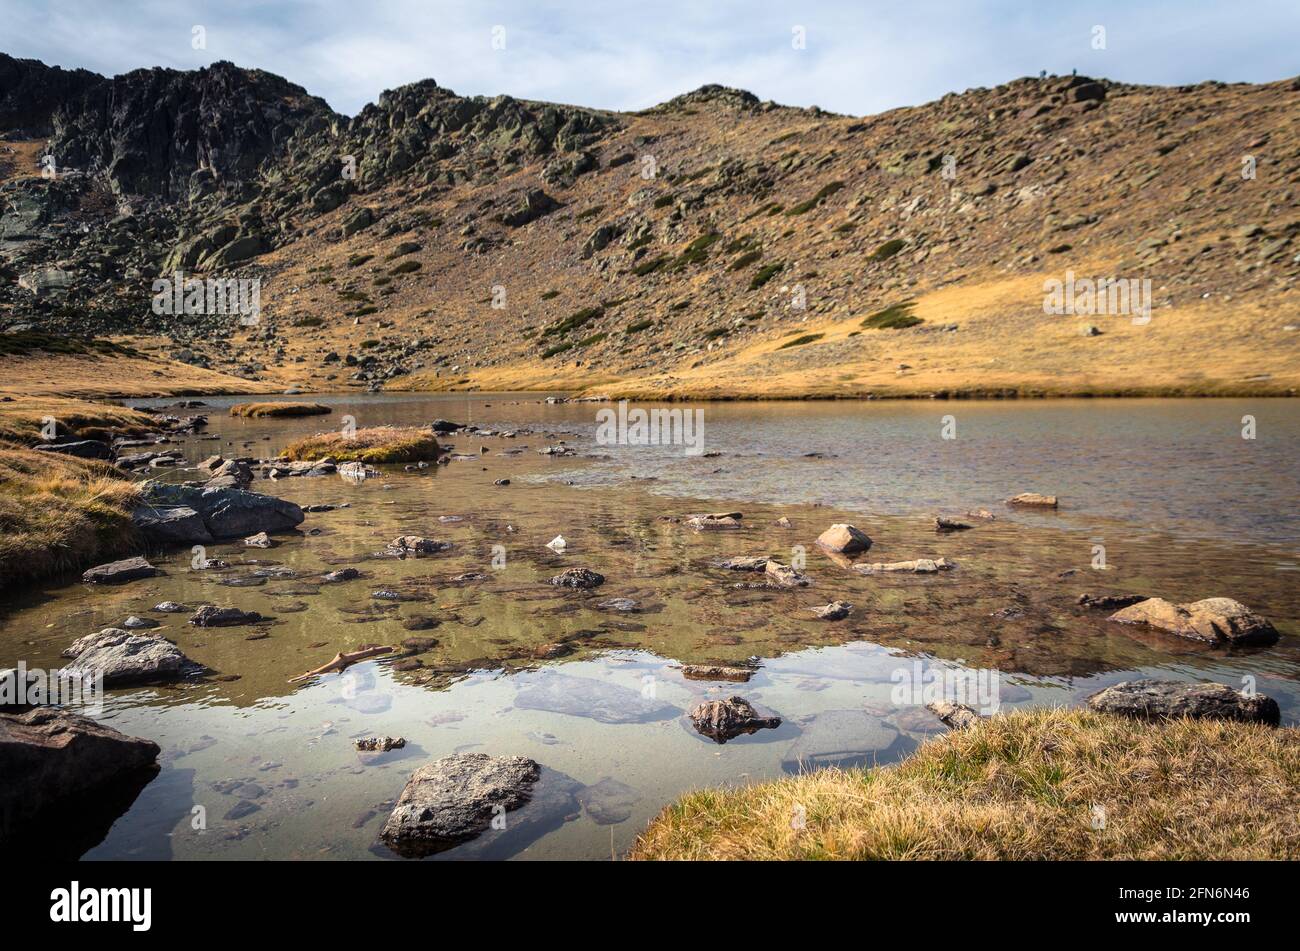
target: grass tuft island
261 410
1042 784
376 445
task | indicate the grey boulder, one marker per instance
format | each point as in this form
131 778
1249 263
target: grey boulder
119 572
125 658
1170 699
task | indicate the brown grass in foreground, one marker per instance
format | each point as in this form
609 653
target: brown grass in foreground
58 513
21 419
255 410
1022 786
376 445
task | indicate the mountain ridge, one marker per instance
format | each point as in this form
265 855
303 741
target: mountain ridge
681 250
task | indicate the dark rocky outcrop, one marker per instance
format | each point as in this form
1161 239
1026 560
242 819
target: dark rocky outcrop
179 514
66 779
1169 699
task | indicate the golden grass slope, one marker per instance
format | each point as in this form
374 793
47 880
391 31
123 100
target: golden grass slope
1021 786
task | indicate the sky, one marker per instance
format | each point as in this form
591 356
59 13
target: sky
857 57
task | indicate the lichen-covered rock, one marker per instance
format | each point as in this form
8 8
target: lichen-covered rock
125 658
723 720
1214 620
1169 699
454 799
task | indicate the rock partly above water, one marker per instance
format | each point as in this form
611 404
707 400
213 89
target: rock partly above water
845 539
920 566
1033 500
454 799
723 720
578 578
119 572
212 616
125 658
1168 699
717 672
181 514
1215 620
51 758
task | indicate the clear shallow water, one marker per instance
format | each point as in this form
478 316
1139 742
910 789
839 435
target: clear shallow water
1183 510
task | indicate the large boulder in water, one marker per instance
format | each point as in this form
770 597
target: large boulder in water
1169 699
166 513
66 779
454 799
125 658
1215 620
843 538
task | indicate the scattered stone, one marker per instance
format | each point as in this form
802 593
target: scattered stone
956 715
342 574
835 611
1034 500
134 623
380 744
944 524
212 616
783 576
119 572
845 539
622 605
723 720
578 578
260 540
170 607
1170 699
419 544
715 521
1215 620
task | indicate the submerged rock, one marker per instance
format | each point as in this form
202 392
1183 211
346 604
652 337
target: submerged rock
840 738
844 538
1109 602
723 720
1214 620
920 566
608 802
119 572
454 799
714 521
594 699
125 658
745 563
578 578
1168 699
419 545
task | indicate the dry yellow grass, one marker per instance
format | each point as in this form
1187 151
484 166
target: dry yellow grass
375 445
59 513
22 419
1022 786
255 410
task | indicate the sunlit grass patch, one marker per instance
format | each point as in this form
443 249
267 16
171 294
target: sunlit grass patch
375 445
1042 784
258 410
893 317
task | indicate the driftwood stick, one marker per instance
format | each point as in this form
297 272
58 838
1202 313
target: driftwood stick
342 661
